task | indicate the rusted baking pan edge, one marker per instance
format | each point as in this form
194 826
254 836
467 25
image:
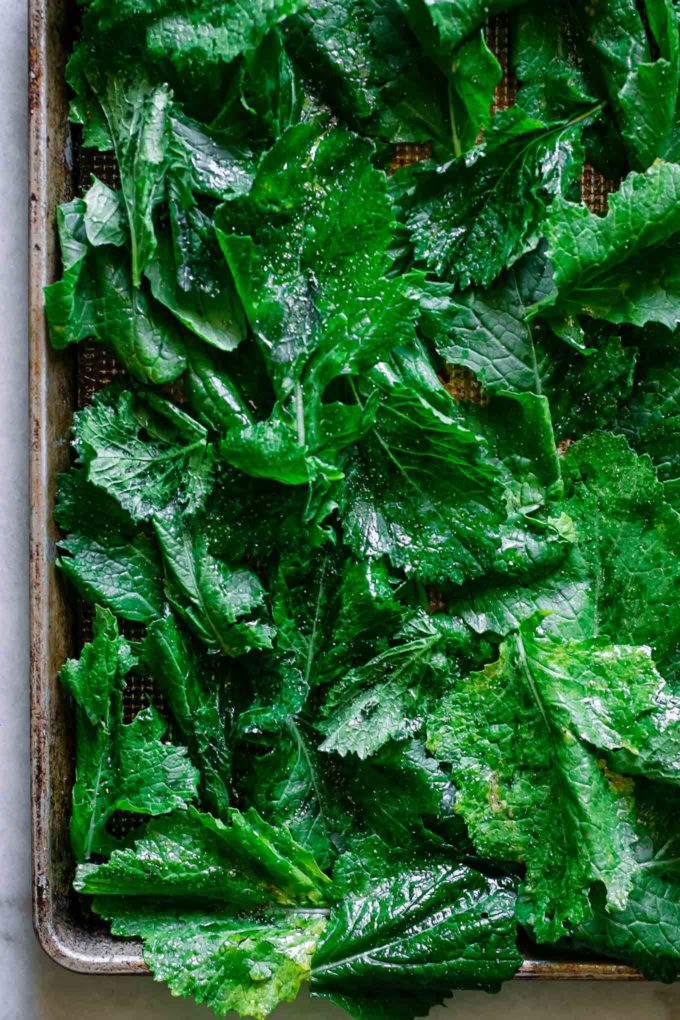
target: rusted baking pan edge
64 935
67 937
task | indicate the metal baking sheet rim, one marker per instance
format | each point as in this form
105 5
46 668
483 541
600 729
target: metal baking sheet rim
52 393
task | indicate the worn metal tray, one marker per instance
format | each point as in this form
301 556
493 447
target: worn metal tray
66 931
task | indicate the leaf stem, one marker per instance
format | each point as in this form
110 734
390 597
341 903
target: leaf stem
457 145
300 415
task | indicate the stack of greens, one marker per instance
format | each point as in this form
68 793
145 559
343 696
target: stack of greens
389 487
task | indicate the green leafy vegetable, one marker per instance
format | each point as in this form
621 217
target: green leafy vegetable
119 766
382 700
246 863
387 499
425 488
210 310
217 601
637 53
645 932
229 960
401 70
112 561
553 79
310 259
413 932
471 217
198 704
245 965
650 419
523 739
146 454
452 23
487 331
212 392
406 796
96 297
620 267
290 785
205 33
137 115
632 560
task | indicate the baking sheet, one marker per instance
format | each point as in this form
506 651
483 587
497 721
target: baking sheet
59 382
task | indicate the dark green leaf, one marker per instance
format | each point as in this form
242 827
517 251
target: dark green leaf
112 561
621 267
146 454
272 89
651 419
209 309
404 796
472 217
119 767
564 591
309 259
554 84
207 33
455 43
386 82
644 933
214 396
453 22
634 48
290 786
413 931
206 948
385 699
426 490
96 298
246 863
137 115
104 218
589 394
222 604
487 331
198 703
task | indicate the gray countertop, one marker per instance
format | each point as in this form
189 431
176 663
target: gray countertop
31 987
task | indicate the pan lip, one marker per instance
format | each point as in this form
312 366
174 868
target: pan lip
56 927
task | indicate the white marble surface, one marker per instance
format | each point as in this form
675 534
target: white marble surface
31 987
